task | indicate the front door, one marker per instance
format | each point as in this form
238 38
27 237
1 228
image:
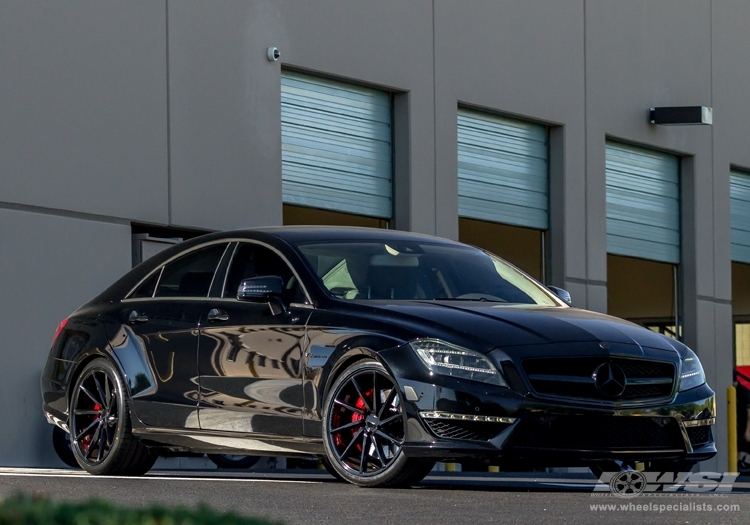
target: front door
250 355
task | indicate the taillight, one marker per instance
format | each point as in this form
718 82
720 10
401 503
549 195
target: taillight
60 328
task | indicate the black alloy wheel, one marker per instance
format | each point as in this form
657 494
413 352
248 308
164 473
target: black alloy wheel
100 431
232 461
364 429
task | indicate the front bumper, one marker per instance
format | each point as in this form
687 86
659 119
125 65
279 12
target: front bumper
454 420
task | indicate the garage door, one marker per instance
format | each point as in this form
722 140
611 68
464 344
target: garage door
643 203
502 170
336 146
739 191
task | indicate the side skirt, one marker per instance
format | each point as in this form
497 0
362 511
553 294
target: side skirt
217 442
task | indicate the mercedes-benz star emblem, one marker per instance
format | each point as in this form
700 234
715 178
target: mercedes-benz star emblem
609 379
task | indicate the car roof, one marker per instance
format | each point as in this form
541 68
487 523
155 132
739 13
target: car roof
295 234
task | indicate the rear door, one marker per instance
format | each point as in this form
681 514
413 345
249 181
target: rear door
250 357
155 335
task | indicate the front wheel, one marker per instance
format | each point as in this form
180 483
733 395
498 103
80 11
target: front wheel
364 429
100 431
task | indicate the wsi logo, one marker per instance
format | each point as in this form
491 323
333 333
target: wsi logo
630 483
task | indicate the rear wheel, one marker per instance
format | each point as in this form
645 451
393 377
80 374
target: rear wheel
363 428
100 431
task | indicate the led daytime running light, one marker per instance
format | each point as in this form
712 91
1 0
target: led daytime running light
468 417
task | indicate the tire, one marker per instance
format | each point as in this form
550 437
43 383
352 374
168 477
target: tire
100 430
332 471
230 461
364 429
63 448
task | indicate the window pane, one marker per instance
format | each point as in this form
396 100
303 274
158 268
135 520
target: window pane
146 289
191 274
252 260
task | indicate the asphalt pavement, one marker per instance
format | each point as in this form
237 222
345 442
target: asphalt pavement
310 497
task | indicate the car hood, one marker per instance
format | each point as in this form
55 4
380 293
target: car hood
487 326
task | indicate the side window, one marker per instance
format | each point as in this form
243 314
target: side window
252 260
191 274
146 289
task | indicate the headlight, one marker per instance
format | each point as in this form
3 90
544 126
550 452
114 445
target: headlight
451 360
692 374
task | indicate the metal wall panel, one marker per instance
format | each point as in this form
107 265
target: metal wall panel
335 146
739 192
502 170
643 203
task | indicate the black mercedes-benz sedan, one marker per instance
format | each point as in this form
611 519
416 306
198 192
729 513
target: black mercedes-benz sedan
381 352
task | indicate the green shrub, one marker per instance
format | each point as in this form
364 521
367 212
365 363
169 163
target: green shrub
25 510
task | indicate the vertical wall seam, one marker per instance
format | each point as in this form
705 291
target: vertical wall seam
169 131
713 169
434 129
585 160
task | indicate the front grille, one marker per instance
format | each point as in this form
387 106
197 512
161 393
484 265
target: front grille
572 377
457 429
699 435
599 433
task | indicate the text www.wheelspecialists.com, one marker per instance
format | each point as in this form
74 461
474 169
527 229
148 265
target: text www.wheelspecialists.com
664 507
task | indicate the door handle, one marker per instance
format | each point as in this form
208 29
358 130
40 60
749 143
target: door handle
136 318
217 316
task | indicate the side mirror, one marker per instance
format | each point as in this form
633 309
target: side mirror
260 289
562 294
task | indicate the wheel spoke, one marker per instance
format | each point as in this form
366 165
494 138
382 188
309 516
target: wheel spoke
348 407
389 438
358 423
100 391
351 444
94 440
91 396
363 458
388 401
87 429
378 451
108 393
80 412
102 440
390 419
359 391
374 393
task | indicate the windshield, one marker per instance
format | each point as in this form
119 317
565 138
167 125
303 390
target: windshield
368 270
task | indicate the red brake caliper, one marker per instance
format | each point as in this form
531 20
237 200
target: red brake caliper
86 441
338 439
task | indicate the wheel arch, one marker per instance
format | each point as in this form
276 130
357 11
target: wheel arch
85 359
354 350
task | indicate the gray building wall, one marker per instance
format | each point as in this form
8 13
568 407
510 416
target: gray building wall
168 113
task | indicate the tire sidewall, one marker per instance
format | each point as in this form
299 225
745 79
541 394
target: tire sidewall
347 475
100 364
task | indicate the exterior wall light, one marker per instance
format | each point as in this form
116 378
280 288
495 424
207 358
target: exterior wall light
681 115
